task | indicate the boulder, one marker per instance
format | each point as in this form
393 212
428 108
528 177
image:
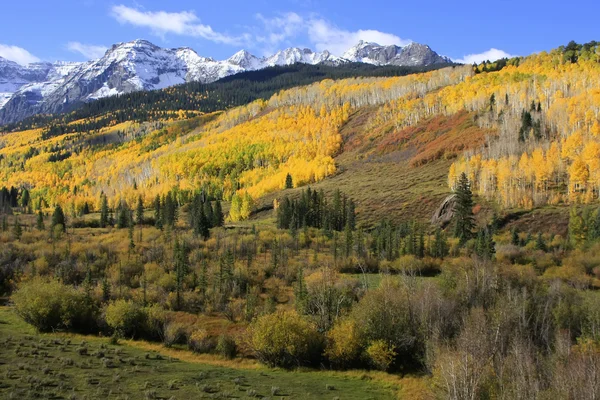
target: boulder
444 213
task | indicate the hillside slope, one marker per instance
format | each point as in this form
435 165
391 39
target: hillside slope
394 144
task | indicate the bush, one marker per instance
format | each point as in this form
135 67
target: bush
201 342
175 333
156 317
125 317
381 355
344 343
49 305
285 339
227 347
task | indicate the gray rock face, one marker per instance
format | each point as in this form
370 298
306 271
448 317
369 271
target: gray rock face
414 54
141 65
445 212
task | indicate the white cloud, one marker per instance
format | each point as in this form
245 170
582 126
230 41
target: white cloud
326 36
89 51
322 34
278 30
270 35
17 54
179 23
491 55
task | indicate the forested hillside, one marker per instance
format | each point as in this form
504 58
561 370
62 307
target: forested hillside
249 149
188 99
434 235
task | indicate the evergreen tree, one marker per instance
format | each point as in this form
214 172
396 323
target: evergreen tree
514 238
289 183
139 214
123 215
18 229
485 247
202 228
218 217
492 102
105 290
440 246
577 228
540 244
463 211
209 214
58 219
40 220
180 253
158 213
130 234
349 241
301 292
170 210
103 211
25 199
4 223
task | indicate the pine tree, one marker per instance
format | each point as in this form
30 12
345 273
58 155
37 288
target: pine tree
158 213
540 244
485 247
289 183
515 239
202 227
181 269
18 229
103 211
105 290
58 219
576 228
349 241
301 292
123 215
218 217
139 217
440 244
463 211
40 220
209 214
130 234
25 199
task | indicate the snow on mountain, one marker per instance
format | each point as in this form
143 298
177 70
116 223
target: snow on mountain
141 65
414 54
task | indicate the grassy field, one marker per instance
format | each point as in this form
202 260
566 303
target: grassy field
58 366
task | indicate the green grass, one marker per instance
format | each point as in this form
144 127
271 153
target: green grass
52 366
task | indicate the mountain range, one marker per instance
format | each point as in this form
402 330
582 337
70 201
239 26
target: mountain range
140 65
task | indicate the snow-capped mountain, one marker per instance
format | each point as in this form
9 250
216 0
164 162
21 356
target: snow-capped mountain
14 76
414 54
141 65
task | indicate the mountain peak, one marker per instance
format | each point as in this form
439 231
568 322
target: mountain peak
244 59
141 65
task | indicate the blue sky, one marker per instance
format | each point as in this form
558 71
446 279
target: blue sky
82 29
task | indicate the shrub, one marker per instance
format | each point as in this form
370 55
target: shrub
344 343
125 317
227 347
285 339
201 342
50 305
156 317
381 355
175 333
